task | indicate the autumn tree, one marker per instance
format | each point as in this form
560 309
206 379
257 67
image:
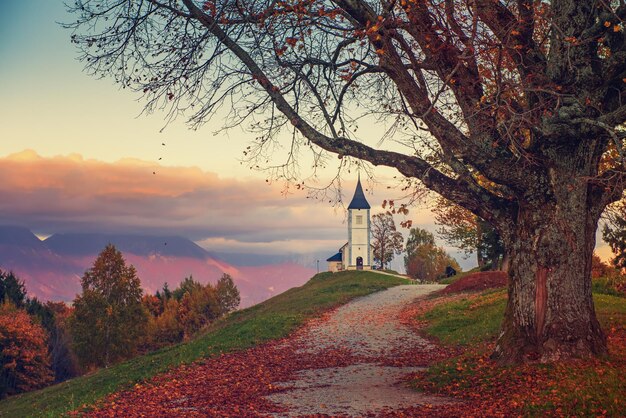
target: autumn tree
417 238
108 318
227 294
505 108
186 310
614 232
165 328
153 304
471 234
386 240
24 360
428 262
424 260
51 316
63 360
199 305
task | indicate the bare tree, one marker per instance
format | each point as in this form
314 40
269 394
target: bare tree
387 241
506 108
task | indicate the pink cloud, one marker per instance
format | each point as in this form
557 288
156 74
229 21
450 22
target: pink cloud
70 193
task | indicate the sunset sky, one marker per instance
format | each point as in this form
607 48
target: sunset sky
76 155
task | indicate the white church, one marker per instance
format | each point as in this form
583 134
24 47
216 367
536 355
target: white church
357 253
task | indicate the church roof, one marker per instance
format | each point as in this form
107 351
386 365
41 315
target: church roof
359 201
336 257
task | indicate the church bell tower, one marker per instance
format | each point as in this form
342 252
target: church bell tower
359 253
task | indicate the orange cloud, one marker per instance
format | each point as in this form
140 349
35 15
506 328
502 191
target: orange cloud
74 194
70 193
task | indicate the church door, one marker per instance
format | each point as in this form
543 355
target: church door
359 263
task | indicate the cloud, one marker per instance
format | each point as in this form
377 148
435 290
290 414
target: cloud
73 194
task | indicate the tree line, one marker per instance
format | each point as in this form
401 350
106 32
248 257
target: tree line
110 321
423 260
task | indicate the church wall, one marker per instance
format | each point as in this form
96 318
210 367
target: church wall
359 236
334 266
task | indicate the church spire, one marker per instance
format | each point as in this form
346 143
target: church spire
359 201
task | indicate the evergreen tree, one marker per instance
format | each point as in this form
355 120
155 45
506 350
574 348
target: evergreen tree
108 318
12 289
188 285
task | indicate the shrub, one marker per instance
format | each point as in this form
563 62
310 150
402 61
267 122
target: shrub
24 361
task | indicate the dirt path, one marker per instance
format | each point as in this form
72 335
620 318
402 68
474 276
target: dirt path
349 362
370 329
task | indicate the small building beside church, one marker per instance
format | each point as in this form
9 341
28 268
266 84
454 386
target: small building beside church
357 253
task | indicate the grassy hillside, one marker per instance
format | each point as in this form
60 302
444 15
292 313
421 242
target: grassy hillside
458 276
589 387
477 318
272 319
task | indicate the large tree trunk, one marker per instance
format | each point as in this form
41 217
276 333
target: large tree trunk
550 313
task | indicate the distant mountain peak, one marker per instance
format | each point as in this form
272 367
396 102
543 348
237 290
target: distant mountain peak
52 268
145 245
19 236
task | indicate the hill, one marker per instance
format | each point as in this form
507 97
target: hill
52 268
144 245
477 282
469 324
272 319
19 237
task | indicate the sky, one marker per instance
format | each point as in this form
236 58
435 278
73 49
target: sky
76 154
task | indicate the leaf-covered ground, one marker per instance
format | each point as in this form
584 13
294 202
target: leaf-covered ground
470 323
270 320
459 379
352 359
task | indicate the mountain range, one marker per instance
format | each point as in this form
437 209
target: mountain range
52 268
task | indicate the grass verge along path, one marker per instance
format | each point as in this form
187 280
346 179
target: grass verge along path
586 387
272 319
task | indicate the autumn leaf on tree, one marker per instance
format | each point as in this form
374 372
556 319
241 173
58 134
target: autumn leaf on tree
108 319
24 360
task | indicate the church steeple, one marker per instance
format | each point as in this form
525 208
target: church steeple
358 252
359 201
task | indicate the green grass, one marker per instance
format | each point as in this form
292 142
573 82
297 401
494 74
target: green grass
468 320
272 319
605 286
579 388
610 310
458 276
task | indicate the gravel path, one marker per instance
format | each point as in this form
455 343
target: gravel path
371 330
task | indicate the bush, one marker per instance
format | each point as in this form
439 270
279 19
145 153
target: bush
24 361
428 262
607 279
